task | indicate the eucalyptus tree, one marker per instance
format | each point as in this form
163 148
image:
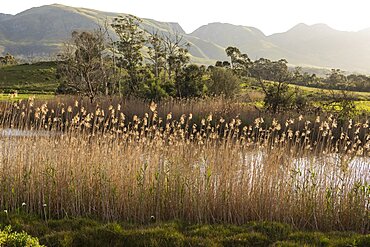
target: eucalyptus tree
156 53
128 48
239 62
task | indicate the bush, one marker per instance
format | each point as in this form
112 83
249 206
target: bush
15 239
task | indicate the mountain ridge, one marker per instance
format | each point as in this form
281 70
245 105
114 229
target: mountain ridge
42 30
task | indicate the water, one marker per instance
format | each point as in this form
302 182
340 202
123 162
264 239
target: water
252 161
24 133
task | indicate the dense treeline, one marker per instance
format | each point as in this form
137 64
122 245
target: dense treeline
154 66
336 79
92 66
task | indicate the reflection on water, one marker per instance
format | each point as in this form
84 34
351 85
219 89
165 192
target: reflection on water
24 133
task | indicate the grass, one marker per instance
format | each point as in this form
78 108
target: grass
17 97
36 78
105 162
311 91
89 232
363 106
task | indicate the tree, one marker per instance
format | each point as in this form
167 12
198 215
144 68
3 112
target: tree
190 83
359 82
303 78
219 64
240 62
176 54
273 77
128 48
82 65
8 59
156 53
337 78
222 81
233 53
153 90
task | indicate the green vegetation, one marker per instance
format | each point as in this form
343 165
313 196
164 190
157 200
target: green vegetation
17 97
317 93
335 80
166 72
15 239
37 78
363 106
88 232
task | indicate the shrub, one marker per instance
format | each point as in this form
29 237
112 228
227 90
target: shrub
15 239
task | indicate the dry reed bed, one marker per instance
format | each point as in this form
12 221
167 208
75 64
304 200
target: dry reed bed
102 164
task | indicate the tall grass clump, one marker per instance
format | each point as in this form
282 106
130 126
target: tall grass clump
72 160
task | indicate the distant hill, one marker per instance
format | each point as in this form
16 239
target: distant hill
4 16
323 46
225 34
41 31
309 46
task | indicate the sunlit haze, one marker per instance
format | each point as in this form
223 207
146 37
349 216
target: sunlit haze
270 16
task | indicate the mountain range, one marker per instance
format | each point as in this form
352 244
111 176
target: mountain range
41 31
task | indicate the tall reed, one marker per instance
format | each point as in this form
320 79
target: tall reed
69 160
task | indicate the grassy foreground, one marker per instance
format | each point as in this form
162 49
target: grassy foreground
87 232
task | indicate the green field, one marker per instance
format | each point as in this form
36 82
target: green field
38 78
16 97
361 96
363 106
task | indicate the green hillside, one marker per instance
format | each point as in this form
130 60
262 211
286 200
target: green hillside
29 78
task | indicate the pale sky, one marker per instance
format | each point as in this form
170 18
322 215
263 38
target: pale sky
270 16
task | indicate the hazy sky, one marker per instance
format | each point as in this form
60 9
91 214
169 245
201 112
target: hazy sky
270 16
